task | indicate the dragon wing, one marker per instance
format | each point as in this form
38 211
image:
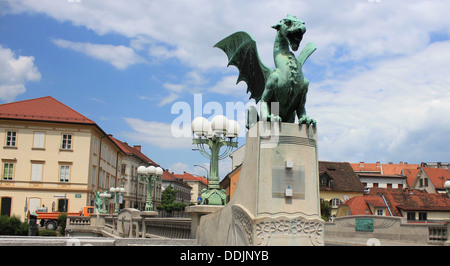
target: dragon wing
242 53
306 52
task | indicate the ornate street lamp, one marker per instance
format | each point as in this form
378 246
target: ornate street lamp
117 192
104 198
150 174
220 132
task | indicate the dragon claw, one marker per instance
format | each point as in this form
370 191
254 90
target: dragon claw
306 120
274 118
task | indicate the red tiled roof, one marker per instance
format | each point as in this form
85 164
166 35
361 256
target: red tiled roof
418 200
410 175
438 176
188 177
385 168
42 109
342 175
360 204
127 149
396 169
168 176
366 167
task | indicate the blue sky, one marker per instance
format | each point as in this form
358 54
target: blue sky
380 82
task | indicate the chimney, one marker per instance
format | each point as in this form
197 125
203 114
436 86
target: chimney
137 147
378 164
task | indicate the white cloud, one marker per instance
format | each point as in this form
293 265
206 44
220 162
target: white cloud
158 134
169 99
120 56
364 108
15 72
350 30
227 86
397 109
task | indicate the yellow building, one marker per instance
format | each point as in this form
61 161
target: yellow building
53 157
338 183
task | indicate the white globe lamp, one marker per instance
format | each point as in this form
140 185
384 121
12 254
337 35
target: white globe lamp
219 125
233 129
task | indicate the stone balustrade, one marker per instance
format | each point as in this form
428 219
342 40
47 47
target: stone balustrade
130 223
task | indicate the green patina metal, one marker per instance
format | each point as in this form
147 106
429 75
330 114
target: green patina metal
214 195
285 85
364 224
100 202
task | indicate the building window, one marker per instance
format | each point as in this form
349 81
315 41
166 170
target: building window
94 175
36 172
411 216
11 138
380 212
64 173
39 140
422 216
8 171
66 142
95 145
335 202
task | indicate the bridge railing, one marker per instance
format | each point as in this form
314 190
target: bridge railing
168 227
437 234
130 225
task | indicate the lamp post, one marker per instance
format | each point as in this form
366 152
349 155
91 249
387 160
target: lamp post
117 192
220 132
150 174
104 197
207 172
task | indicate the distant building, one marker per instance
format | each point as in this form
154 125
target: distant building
198 183
388 175
183 189
431 180
338 183
414 205
136 189
53 157
436 165
229 183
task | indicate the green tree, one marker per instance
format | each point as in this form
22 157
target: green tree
169 195
325 210
168 203
62 223
12 226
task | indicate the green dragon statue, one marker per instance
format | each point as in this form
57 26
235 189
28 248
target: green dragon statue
284 85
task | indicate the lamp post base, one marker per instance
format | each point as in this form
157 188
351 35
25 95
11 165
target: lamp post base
213 197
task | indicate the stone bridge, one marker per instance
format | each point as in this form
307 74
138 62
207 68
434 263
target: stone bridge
352 230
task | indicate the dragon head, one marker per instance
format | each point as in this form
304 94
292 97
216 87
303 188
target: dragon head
291 29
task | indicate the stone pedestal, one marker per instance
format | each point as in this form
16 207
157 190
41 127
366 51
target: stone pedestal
197 212
276 201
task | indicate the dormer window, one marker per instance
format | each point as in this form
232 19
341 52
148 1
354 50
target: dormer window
325 180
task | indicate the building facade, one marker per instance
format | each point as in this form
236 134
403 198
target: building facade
183 194
136 188
52 157
197 183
